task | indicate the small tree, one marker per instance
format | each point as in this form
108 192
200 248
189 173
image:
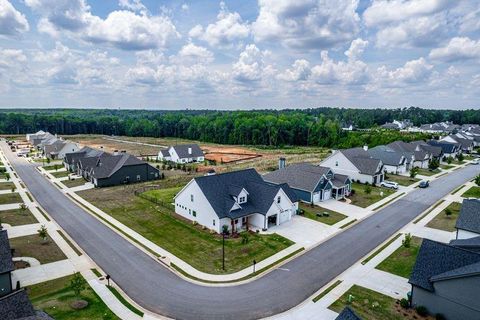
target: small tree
449 160
244 237
460 157
448 212
433 164
23 206
48 160
7 176
477 180
368 189
77 284
407 240
43 232
413 172
55 167
13 189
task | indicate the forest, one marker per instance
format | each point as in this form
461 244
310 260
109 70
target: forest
305 127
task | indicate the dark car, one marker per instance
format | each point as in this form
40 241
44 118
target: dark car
424 184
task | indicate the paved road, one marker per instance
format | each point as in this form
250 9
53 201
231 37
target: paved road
159 290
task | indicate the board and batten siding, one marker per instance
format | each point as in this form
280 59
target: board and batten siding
205 215
144 171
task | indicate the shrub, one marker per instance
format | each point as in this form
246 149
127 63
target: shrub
449 160
448 212
225 229
477 180
194 223
460 157
404 303
407 240
421 311
352 192
245 237
368 189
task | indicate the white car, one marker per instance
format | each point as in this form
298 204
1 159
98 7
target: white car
389 184
476 161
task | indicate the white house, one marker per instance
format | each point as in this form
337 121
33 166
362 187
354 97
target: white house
183 153
357 164
238 200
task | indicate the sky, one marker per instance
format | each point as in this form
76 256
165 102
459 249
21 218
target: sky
242 54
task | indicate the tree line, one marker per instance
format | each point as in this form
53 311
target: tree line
310 127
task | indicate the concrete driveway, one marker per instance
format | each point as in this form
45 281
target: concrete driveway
305 232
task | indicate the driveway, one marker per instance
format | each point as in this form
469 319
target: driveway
159 290
304 231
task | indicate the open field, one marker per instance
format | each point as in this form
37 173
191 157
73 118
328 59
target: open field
33 246
17 217
190 243
364 199
311 213
444 222
401 261
55 298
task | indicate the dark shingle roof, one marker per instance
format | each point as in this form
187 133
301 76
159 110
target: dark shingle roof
401 146
16 306
108 164
469 244
165 153
362 160
182 150
447 147
437 259
304 176
218 188
469 217
85 152
388 156
6 263
347 314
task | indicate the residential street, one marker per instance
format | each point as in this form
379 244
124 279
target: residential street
156 288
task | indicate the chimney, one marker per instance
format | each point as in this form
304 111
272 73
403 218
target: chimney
115 152
365 147
189 150
282 163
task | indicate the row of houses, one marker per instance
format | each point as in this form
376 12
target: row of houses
446 277
50 145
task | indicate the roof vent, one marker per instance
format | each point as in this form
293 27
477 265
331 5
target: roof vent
189 150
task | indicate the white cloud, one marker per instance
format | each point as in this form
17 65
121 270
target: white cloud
185 7
356 49
134 5
191 52
12 22
414 71
300 71
458 48
123 29
9 58
250 65
306 24
228 29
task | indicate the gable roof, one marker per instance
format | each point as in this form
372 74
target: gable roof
472 244
447 147
164 152
218 191
182 150
347 314
362 160
413 148
304 176
85 152
388 156
6 263
106 165
17 306
469 217
436 261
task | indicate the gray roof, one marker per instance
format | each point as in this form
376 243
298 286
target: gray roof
304 176
469 244
165 153
362 160
107 164
402 146
465 143
469 217
347 314
16 306
447 147
218 190
85 152
182 150
6 263
388 156
437 261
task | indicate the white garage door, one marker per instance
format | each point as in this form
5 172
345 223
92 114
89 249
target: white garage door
284 216
316 197
326 194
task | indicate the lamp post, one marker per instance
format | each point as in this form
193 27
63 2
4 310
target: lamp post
223 250
254 263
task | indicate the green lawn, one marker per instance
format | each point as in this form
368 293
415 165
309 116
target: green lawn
60 174
368 304
74 183
55 296
6 185
401 180
311 213
402 260
53 167
17 217
164 195
190 243
33 246
473 192
444 222
428 172
446 166
10 198
362 199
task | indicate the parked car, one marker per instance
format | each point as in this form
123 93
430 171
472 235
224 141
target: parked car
476 161
389 184
424 184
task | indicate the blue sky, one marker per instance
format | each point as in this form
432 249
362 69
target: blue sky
239 54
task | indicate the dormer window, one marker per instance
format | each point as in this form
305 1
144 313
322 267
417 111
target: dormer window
242 199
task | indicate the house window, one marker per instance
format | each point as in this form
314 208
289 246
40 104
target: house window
244 220
242 199
336 163
194 213
191 197
138 177
236 221
213 221
189 211
279 199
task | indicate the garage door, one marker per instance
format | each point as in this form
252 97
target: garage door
284 216
316 197
326 194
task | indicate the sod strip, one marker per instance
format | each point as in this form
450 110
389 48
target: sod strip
381 248
326 291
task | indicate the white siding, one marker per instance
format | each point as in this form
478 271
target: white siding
345 167
464 234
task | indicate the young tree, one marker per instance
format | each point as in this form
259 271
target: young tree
368 189
407 240
43 232
7 176
413 172
23 206
55 167
433 164
460 157
477 180
48 160
13 189
449 160
448 212
77 284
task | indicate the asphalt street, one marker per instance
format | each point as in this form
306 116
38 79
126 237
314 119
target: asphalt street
157 289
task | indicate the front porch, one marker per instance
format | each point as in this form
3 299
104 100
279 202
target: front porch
340 192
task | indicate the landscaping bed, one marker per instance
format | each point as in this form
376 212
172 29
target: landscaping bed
189 242
55 297
363 199
473 192
311 213
444 222
17 217
33 246
6 185
401 261
401 180
8 198
368 304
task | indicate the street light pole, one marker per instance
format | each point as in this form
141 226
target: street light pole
223 251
